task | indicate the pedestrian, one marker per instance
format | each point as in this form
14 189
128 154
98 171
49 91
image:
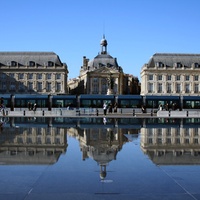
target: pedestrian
29 106
105 108
115 107
34 107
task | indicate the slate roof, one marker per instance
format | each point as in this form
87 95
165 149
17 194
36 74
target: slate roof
169 59
102 60
23 58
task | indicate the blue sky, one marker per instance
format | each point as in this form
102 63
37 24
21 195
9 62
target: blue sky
134 29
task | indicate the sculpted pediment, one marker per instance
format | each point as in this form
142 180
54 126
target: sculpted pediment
105 70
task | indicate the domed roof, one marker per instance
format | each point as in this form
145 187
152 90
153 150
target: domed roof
103 60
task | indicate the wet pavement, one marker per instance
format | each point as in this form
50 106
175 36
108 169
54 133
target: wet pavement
79 160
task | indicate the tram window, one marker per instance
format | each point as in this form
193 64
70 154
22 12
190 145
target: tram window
191 104
129 103
58 103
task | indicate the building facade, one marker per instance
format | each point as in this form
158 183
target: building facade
171 74
103 75
32 73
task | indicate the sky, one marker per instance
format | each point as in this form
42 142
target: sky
134 29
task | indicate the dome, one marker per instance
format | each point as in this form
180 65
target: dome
103 60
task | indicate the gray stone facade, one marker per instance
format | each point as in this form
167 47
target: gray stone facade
32 73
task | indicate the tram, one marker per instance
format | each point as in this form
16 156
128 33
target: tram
51 102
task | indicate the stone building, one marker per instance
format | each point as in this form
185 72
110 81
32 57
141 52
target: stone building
103 75
171 74
32 73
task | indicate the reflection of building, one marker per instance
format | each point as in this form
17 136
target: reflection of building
103 75
171 145
171 74
34 145
100 144
32 72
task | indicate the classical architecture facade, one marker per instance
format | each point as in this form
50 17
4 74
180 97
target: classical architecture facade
171 74
32 73
103 75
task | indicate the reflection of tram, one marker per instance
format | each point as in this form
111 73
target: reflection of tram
50 102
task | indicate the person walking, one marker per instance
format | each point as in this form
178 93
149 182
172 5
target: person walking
105 108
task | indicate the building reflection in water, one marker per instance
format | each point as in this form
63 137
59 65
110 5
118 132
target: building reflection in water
174 144
43 140
30 144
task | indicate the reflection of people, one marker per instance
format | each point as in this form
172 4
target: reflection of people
104 120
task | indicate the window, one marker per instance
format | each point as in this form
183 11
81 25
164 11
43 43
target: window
159 77
150 77
39 86
12 86
187 77
178 87
187 88
30 86
48 88
178 65
159 64
12 75
31 63
169 87
58 87
48 76
178 77
39 76
21 76
50 64
196 77
196 65
21 86
13 63
95 86
196 88
58 76
169 77
150 87
30 76
3 76
159 87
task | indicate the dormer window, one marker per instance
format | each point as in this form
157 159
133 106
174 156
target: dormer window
13 63
196 65
178 65
159 64
50 64
31 63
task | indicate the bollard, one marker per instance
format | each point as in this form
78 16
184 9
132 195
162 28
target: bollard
187 113
151 112
43 113
133 112
97 112
24 112
79 112
121 110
